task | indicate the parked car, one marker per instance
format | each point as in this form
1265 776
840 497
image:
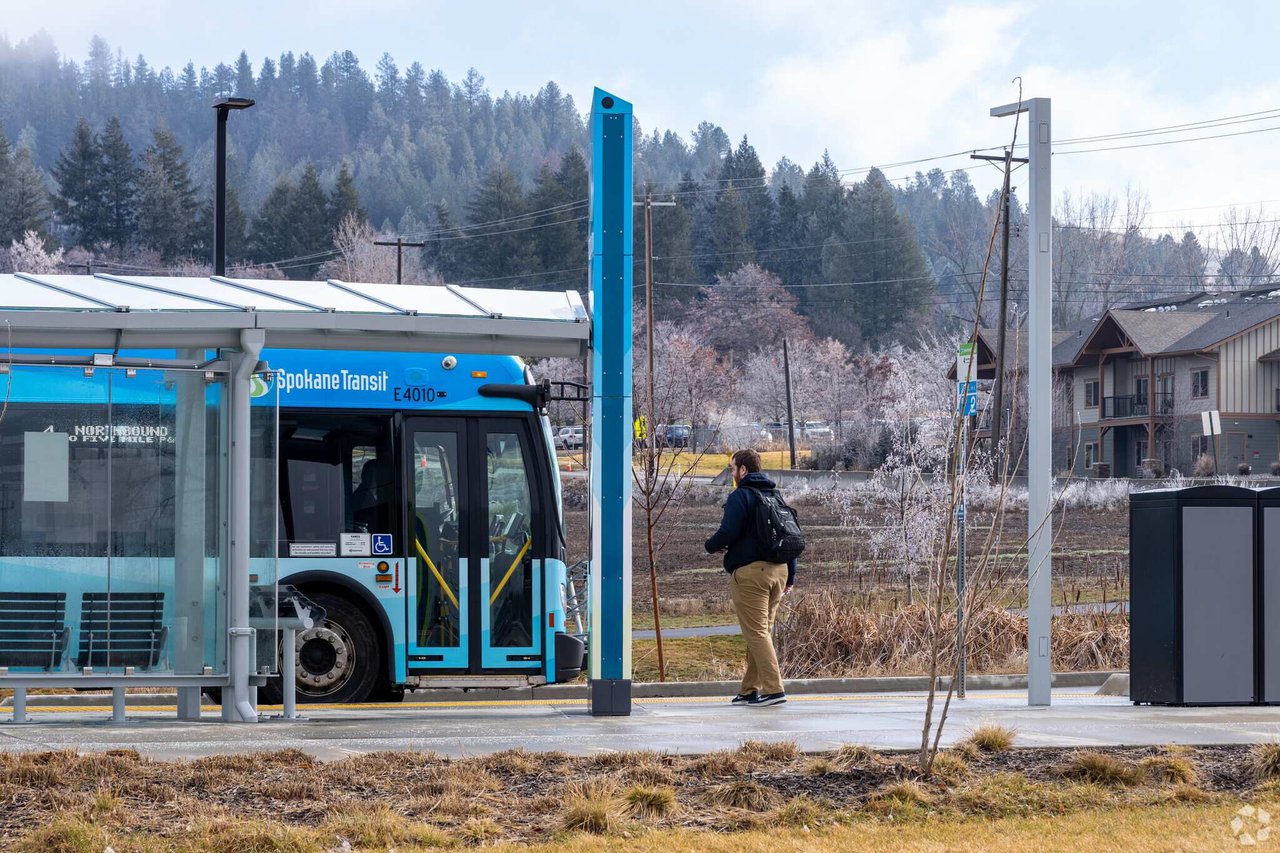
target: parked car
569 438
817 431
674 435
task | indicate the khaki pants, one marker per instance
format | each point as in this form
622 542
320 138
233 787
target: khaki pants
756 590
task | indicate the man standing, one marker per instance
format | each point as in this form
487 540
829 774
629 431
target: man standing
756 585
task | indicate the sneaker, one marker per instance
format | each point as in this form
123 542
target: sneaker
767 699
745 698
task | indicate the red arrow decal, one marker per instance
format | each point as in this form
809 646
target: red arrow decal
396 588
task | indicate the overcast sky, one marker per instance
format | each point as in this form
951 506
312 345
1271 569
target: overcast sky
873 82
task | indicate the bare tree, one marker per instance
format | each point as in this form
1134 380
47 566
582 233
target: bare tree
361 260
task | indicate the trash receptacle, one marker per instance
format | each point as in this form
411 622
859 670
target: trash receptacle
1268 595
1191 596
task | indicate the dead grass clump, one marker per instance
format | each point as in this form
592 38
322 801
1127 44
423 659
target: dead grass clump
40 776
1190 794
245 762
379 827
966 750
469 777
512 762
592 806
651 775
855 755
992 737
769 750
646 802
736 820
1168 770
452 805
65 834
742 794
820 767
950 767
722 762
248 835
105 802
801 811
906 792
478 830
1099 768
1264 760
1004 795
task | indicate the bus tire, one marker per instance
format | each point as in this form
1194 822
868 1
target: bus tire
338 660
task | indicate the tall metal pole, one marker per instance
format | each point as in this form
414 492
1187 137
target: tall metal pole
791 421
1040 400
609 688
220 196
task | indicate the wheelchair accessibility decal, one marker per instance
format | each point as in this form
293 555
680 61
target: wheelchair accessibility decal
382 545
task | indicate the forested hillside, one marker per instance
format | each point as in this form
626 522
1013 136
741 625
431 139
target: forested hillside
111 159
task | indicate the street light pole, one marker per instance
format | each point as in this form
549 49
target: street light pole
222 107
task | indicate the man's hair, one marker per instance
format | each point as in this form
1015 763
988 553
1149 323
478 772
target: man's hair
748 459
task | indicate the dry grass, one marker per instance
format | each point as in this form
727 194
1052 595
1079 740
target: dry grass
479 830
379 827
1168 770
1014 795
991 737
820 767
646 802
769 750
1264 760
1100 768
742 794
824 634
593 807
950 767
66 834
722 762
906 792
855 755
801 812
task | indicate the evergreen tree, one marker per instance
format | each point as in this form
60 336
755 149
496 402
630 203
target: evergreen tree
558 246
7 234
119 185
79 199
576 183
344 201
440 253
309 224
497 244
166 202
672 261
27 201
731 236
272 238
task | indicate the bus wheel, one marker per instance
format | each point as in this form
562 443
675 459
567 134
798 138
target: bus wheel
336 661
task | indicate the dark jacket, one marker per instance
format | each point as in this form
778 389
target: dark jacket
736 533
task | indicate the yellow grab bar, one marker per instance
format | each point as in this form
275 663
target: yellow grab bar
422 552
528 540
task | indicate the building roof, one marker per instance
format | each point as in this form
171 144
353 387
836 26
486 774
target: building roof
134 312
1154 332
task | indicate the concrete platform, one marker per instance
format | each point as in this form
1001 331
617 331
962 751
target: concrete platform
688 725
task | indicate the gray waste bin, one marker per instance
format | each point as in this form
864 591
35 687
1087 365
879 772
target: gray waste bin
1268 582
1191 596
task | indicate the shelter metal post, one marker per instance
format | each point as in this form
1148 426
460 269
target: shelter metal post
1039 398
237 703
190 451
609 691
20 705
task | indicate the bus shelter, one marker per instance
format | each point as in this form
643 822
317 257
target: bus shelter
137 461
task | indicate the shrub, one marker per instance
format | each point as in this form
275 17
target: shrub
1275 468
1264 759
643 801
1205 466
992 737
1244 469
1099 768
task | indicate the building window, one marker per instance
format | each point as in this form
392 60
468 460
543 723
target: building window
1091 394
1200 383
1140 452
1201 445
1141 387
1092 454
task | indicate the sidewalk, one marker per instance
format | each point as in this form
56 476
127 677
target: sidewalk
688 725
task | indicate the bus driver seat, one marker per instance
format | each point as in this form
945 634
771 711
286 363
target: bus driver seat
371 499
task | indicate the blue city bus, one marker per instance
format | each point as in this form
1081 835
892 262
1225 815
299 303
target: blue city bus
418 504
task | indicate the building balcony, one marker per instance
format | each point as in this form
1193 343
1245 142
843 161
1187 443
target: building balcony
1137 406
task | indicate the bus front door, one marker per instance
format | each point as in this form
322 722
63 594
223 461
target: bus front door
475 589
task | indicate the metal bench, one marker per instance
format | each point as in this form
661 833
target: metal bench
122 629
33 630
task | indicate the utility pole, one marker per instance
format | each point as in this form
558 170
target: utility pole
399 244
651 425
791 421
997 393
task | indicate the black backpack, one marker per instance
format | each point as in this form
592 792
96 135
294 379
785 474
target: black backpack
777 528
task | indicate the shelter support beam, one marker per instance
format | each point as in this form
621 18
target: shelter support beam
236 702
609 692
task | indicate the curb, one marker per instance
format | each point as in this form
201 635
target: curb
645 690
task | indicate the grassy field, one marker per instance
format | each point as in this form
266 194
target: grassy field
699 464
983 794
